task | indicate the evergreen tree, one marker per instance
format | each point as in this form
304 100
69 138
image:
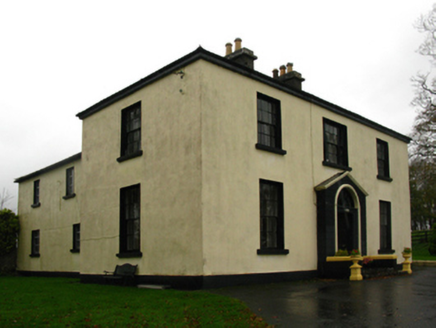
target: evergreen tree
9 228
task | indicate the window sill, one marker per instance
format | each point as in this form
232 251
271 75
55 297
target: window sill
271 149
35 205
129 255
129 156
69 196
337 166
386 251
75 250
382 177
34 255
272 251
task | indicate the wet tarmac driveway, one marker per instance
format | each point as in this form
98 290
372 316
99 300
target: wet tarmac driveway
401 301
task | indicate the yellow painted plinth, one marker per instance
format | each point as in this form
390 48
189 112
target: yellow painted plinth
407 264
356 269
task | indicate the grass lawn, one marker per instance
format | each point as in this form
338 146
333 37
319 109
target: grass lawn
63 302
420 252
420 246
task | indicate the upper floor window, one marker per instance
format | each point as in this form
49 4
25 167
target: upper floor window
36 200
383 160
335 145
269 129
69 192
130 214
271 218
34 251
131 132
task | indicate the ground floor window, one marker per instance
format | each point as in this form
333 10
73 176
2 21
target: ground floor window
385 228
130 213
35 244
271 216
76 238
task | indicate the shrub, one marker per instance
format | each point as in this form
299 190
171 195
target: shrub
9 228
341 252
355 252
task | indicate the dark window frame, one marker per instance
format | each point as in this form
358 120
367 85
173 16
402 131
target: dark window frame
335 151
269 124
76 238
131 129
383 171
35 244
130 222
385 226
69 183
36 194
271 199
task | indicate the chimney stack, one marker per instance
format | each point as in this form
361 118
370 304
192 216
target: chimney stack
242 56
290 77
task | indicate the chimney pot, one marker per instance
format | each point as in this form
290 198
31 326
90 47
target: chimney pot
275 73
228 48
282 70
290 67
238 42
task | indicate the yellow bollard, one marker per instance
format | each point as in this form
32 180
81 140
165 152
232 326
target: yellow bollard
356 269
407 265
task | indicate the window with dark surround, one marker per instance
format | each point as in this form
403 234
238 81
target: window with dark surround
69 192
130 132
76 238
385 228
269 130
335 145
130 213
36 200
34 252
271 218
383 160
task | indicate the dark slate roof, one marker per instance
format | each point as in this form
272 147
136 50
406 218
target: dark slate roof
50 168
201 53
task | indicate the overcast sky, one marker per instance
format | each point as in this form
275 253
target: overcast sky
58 58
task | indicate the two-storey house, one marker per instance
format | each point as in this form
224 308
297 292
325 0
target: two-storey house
209 173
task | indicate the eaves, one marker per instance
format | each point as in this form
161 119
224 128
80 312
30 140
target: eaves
201 53
50 168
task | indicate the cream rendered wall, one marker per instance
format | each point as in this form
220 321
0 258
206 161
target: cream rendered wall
199 176
54 218
232 168
169 172
362 158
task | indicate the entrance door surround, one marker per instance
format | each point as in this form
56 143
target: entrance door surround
341 204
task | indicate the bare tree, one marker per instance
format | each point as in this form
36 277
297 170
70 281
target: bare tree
4 198
423 146
424 128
